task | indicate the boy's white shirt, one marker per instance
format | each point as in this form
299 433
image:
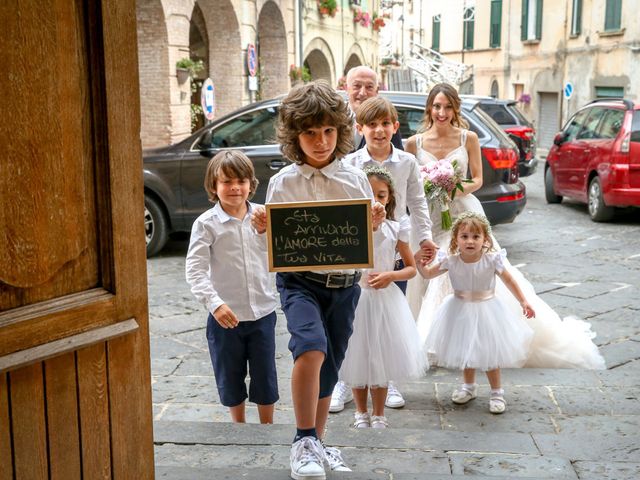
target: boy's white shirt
304 183
227 263
409 188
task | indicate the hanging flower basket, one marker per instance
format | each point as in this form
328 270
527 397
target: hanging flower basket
525 99
299 74
363 18
378 22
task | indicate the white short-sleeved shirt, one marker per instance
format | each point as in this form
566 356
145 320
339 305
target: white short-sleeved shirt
227 263
409 188
304 183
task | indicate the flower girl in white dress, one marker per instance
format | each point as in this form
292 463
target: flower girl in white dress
385 343
472 327
558 342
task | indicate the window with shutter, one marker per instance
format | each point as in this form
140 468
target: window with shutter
613 14
496 23
435 33
531 20
468 27
576 18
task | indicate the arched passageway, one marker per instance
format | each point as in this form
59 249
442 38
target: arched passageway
272 52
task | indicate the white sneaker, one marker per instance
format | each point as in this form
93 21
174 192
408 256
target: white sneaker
341 394
307 457
333 457
362 420
394 397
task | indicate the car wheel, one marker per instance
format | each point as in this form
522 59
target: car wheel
155 226
549 193
598 210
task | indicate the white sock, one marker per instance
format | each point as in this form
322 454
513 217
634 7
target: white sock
497 391
469 386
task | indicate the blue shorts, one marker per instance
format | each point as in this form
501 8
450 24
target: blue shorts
318 318
402 284
231 349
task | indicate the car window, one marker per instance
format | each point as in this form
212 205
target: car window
410 120
499 113
635 127
590 128
611 123
251 129
574 124
522 120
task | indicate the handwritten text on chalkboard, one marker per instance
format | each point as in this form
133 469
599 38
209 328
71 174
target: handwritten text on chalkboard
319 235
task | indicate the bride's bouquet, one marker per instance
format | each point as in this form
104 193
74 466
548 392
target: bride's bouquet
442 179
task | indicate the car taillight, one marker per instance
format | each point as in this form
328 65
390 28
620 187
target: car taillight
500 157
526 133
510 198
624 145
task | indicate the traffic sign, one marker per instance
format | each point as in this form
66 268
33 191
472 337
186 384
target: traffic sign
568 90
252 60
208 99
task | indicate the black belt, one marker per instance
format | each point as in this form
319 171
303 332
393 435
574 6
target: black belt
333 280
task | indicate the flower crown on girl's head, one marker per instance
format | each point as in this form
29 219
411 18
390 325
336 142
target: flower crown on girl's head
378 172
478 216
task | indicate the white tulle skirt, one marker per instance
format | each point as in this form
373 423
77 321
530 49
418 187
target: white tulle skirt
483 335
384 345
556 343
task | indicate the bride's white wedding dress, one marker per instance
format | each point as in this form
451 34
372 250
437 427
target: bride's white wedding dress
557 343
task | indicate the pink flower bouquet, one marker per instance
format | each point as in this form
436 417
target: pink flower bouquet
442 179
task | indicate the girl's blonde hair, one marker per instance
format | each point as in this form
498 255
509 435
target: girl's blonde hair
312 105
452 95
384 175
233 164
476 223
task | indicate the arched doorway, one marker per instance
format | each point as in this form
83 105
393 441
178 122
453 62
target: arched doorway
318 58
154 74
495 91
226 67
354 61
272 52
198 51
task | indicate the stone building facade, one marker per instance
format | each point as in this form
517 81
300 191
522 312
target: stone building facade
217 33
529 50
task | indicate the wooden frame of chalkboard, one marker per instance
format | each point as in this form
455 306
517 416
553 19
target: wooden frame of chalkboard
322 235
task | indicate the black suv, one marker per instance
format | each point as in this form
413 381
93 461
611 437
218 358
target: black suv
174 175
506 114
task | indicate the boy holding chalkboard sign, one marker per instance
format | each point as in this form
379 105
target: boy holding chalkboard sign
315 131
226 267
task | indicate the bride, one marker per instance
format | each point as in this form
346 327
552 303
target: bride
557 343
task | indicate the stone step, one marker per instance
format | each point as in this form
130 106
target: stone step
182 473
262 451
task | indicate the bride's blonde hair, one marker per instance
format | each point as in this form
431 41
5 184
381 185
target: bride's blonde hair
476 223
452 95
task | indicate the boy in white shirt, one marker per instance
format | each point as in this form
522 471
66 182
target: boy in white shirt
226 267
315 131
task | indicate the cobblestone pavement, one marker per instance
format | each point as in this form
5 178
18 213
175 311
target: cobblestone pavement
561 424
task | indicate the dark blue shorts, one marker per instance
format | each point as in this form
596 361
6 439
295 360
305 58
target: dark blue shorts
318 318
402 284
251 343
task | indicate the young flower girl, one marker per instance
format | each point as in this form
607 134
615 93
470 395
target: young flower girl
385 343
474 329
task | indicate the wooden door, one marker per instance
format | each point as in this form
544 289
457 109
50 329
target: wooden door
75 394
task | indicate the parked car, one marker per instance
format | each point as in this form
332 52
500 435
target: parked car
174 175
596 158
506 114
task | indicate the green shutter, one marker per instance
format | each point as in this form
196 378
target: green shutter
613 15
496 23
468 28
524 20
609 92
435 33
539 19
576 21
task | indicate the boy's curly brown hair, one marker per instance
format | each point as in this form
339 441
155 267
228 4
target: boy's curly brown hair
313 105
233 164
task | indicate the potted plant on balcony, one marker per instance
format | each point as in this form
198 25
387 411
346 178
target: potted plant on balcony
378 22
327 7
363 18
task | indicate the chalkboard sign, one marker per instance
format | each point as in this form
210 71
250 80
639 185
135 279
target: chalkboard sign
326 235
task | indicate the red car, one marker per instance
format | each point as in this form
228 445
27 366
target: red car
596 158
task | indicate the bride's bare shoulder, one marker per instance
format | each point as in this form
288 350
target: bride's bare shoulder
411 146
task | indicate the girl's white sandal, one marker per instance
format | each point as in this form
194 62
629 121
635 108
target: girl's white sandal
497 404
463 395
